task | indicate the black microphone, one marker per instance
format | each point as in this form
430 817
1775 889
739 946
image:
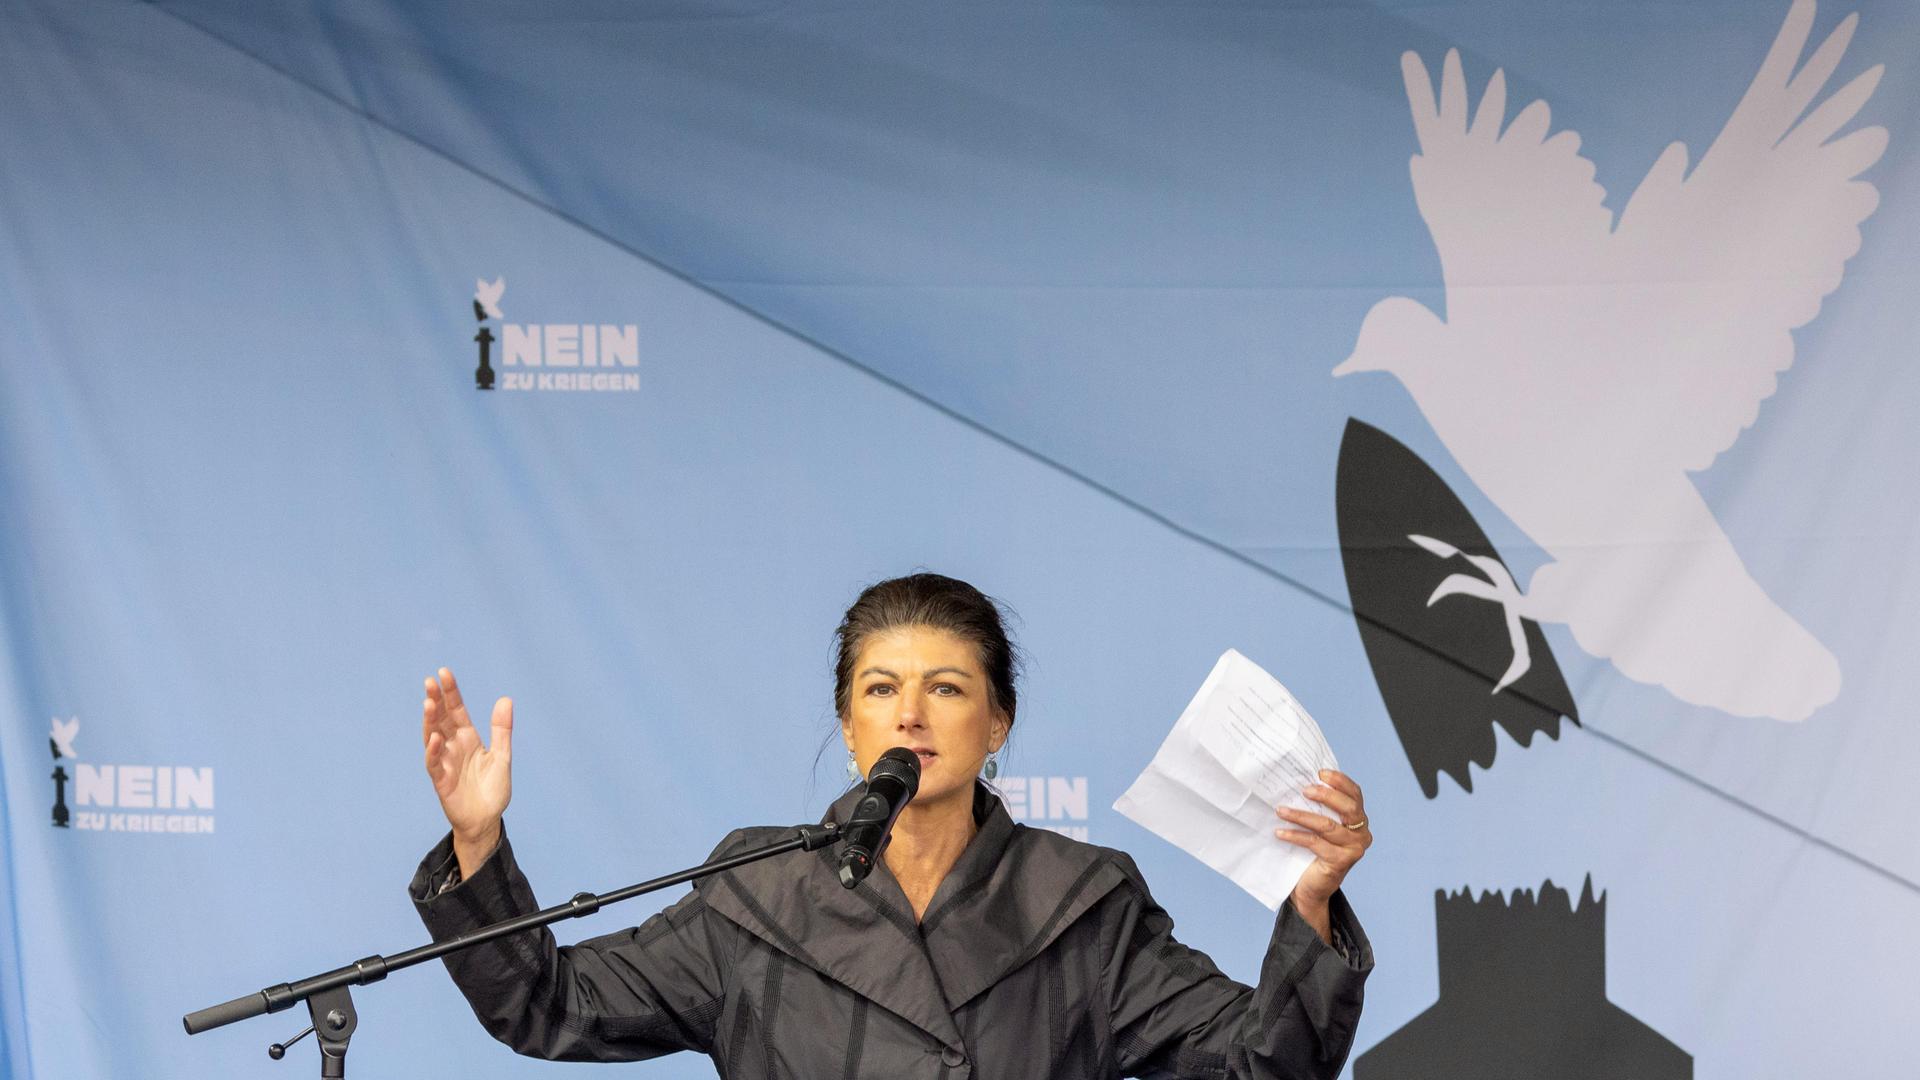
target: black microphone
891 784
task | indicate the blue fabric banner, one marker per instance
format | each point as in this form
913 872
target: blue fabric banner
1528 386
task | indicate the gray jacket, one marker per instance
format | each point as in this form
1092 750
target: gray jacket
1039 957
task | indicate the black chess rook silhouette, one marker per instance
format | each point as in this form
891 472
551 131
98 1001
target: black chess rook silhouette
1523 996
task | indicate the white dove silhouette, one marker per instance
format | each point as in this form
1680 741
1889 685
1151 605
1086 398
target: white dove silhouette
487 295
63 734
1584 369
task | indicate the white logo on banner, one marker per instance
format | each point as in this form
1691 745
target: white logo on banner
1584 369
553 356
128 798
63 734
1055 803
487 295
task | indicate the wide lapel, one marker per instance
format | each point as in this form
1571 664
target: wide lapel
864 938
1014 891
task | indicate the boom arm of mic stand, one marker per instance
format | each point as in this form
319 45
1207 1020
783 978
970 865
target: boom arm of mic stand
374 968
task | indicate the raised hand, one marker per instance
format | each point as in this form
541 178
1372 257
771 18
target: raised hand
1337 843
474 782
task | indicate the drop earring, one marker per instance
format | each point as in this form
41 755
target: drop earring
853 769
993 767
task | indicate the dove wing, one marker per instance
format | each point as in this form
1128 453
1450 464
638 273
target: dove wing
1732 257
1505 207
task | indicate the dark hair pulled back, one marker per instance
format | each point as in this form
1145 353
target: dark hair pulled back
931 600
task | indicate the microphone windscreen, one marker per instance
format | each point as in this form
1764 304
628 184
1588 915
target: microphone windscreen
900 763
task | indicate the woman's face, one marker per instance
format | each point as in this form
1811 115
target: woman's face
924 689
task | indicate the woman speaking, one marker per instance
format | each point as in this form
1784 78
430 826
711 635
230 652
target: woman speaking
977 948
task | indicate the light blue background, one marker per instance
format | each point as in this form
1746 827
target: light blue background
1040 295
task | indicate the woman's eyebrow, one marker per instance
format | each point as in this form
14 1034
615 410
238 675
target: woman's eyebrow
877 671
931 672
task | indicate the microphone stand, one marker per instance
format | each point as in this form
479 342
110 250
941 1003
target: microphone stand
330 1006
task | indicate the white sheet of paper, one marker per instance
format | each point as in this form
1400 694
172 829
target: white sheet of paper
1242 747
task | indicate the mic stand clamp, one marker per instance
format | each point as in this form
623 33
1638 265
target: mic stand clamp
332 1030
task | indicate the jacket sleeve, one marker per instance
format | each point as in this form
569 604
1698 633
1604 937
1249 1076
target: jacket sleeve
1174 1014
639 993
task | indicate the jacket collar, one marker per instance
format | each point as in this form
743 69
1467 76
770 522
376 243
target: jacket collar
1013 891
